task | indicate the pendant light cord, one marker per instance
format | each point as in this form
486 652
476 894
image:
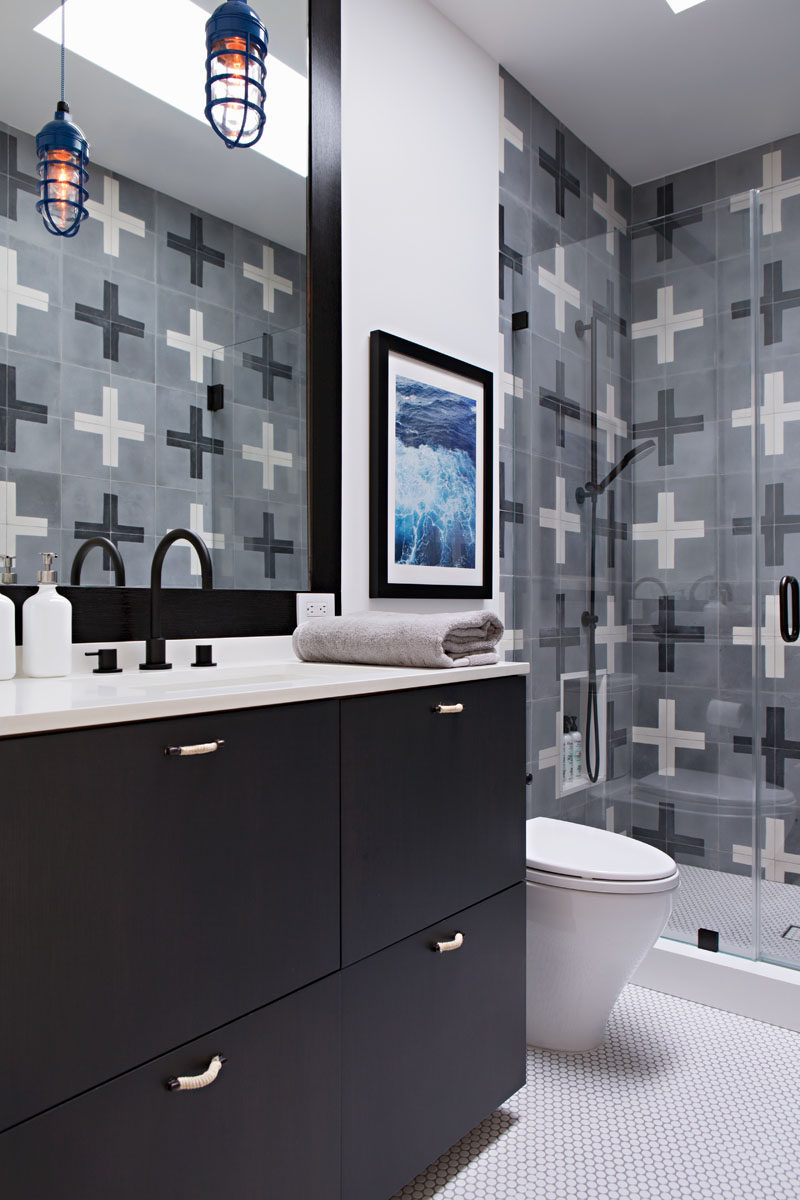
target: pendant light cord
63 38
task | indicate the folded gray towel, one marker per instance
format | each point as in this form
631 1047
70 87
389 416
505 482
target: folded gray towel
390 639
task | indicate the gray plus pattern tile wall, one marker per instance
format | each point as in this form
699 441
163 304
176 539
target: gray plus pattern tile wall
107 344
564 256
693 314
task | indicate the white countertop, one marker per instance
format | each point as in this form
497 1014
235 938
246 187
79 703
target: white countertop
252 672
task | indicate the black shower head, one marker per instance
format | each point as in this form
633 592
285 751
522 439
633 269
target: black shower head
625 461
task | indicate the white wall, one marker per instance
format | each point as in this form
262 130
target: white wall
419 223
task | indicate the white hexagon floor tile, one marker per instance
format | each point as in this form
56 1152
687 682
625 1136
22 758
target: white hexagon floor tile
681 1102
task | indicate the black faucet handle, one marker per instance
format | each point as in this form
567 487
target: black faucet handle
106 662
155 658
203 656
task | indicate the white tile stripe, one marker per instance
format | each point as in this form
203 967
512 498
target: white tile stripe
113 218
265 275
667 737
774 413
267 455
508 131
666 530
776 191
611 635
605 209
563 293
771 640
666 324
109 426
13 294
776 861
613 425
560 520
214 541
195 345
12 525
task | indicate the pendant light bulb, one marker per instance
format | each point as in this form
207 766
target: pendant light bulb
236 52
63 155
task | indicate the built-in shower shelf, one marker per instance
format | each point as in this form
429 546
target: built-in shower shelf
574 700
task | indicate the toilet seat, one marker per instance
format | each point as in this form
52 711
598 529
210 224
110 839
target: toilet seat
567 855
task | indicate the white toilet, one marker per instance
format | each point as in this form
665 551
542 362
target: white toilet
596 903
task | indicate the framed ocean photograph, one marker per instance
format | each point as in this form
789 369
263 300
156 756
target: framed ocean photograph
430 472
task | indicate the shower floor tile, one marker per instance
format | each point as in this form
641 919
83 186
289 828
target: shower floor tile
681 1102
724 901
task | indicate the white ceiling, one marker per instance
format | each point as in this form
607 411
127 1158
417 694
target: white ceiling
650 91
136 135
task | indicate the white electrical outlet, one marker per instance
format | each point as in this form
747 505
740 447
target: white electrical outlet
315 604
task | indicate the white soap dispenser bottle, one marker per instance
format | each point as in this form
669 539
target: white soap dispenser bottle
8 640
47 627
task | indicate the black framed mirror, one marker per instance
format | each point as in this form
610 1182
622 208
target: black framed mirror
116 614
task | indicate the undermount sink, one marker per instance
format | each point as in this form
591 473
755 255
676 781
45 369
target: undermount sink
238 676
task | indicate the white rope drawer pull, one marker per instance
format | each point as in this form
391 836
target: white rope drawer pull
190 1083
444 947
449 708
200 748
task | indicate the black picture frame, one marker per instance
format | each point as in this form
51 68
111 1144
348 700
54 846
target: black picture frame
385 570
122 614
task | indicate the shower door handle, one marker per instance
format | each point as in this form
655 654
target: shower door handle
789 633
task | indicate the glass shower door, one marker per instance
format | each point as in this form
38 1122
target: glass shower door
777 337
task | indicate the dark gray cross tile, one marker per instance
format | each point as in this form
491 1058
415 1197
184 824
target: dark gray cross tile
510 510
195 441
666 222
556 166
665 838
110 320
557 400
612 530
615 740
775 525
269 545
604 314
196 250
508 257
17 180
666 427
773 303
666 633
109 526
560 636
13 410
268 368
775 747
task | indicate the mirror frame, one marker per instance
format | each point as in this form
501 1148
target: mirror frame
109 614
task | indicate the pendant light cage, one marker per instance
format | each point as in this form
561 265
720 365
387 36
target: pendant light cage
63 155
236 50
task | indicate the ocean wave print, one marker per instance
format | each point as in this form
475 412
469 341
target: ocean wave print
435 499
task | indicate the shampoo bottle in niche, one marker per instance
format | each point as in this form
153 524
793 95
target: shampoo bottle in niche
577 751
8 646
47 627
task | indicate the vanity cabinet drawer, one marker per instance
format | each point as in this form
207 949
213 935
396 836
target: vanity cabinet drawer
146 898
267 1126
431 1043
433 806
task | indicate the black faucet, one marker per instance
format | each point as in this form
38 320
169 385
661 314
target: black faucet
110 549
156 645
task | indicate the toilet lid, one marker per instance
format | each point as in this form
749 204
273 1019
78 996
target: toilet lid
565 848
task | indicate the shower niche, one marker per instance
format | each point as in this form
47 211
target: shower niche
571 769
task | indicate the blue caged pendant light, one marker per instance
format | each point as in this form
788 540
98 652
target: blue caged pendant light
63 155
236 50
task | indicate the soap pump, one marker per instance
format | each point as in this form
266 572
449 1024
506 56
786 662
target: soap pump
8 648
47 626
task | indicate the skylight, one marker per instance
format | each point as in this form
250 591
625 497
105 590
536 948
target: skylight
679 6
171 65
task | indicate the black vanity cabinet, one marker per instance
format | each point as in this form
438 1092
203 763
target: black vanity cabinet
158 909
